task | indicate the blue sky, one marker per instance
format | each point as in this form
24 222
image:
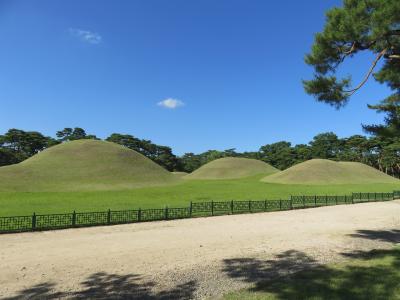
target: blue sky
230 71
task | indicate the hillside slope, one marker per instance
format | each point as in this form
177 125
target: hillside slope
323 171
84 165
231 167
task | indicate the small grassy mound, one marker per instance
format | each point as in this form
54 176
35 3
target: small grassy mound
230 168
84 165
323 171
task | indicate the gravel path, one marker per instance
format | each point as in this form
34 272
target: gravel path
185 259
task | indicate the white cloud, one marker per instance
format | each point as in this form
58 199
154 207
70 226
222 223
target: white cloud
86 35
171 103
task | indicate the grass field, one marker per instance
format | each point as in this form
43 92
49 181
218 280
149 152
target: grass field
89 175
374 275
22 203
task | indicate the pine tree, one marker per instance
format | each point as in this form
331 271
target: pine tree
367 25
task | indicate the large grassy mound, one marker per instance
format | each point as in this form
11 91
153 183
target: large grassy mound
231 167
323 171
84 165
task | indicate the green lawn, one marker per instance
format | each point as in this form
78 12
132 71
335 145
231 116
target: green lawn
374 275
23 203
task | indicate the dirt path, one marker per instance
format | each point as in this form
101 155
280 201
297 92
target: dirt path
193 258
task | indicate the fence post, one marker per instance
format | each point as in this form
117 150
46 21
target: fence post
34 221
265 205
212 208
368 197
191 209
166 213
139 215
326 200
315 200
336 199
74 219
231 207
249 205
109 216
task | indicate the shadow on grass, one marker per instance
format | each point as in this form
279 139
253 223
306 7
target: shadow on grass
374 275
110 286
391 236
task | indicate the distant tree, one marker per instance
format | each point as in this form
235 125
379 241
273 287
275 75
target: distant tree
302 153
162 155
27 143
127 140
390 106
211 155
253 155
77 133
325 145
190 162
8 157
166 158
280 154
354 148
17 145
384 154
230 152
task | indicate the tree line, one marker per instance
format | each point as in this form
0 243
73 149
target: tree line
380 152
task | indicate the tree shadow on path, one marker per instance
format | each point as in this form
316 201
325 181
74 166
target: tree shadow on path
391 236
375 275
253 270
110 286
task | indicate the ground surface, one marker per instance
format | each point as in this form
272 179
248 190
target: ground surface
179 195
193 258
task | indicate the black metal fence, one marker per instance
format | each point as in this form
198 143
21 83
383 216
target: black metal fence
196 209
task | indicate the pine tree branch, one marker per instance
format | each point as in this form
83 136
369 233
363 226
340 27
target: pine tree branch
352 91
394 32
352 49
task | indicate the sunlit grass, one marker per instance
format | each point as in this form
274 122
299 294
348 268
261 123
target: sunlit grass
21 203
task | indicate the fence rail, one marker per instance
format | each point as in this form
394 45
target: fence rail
196 209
